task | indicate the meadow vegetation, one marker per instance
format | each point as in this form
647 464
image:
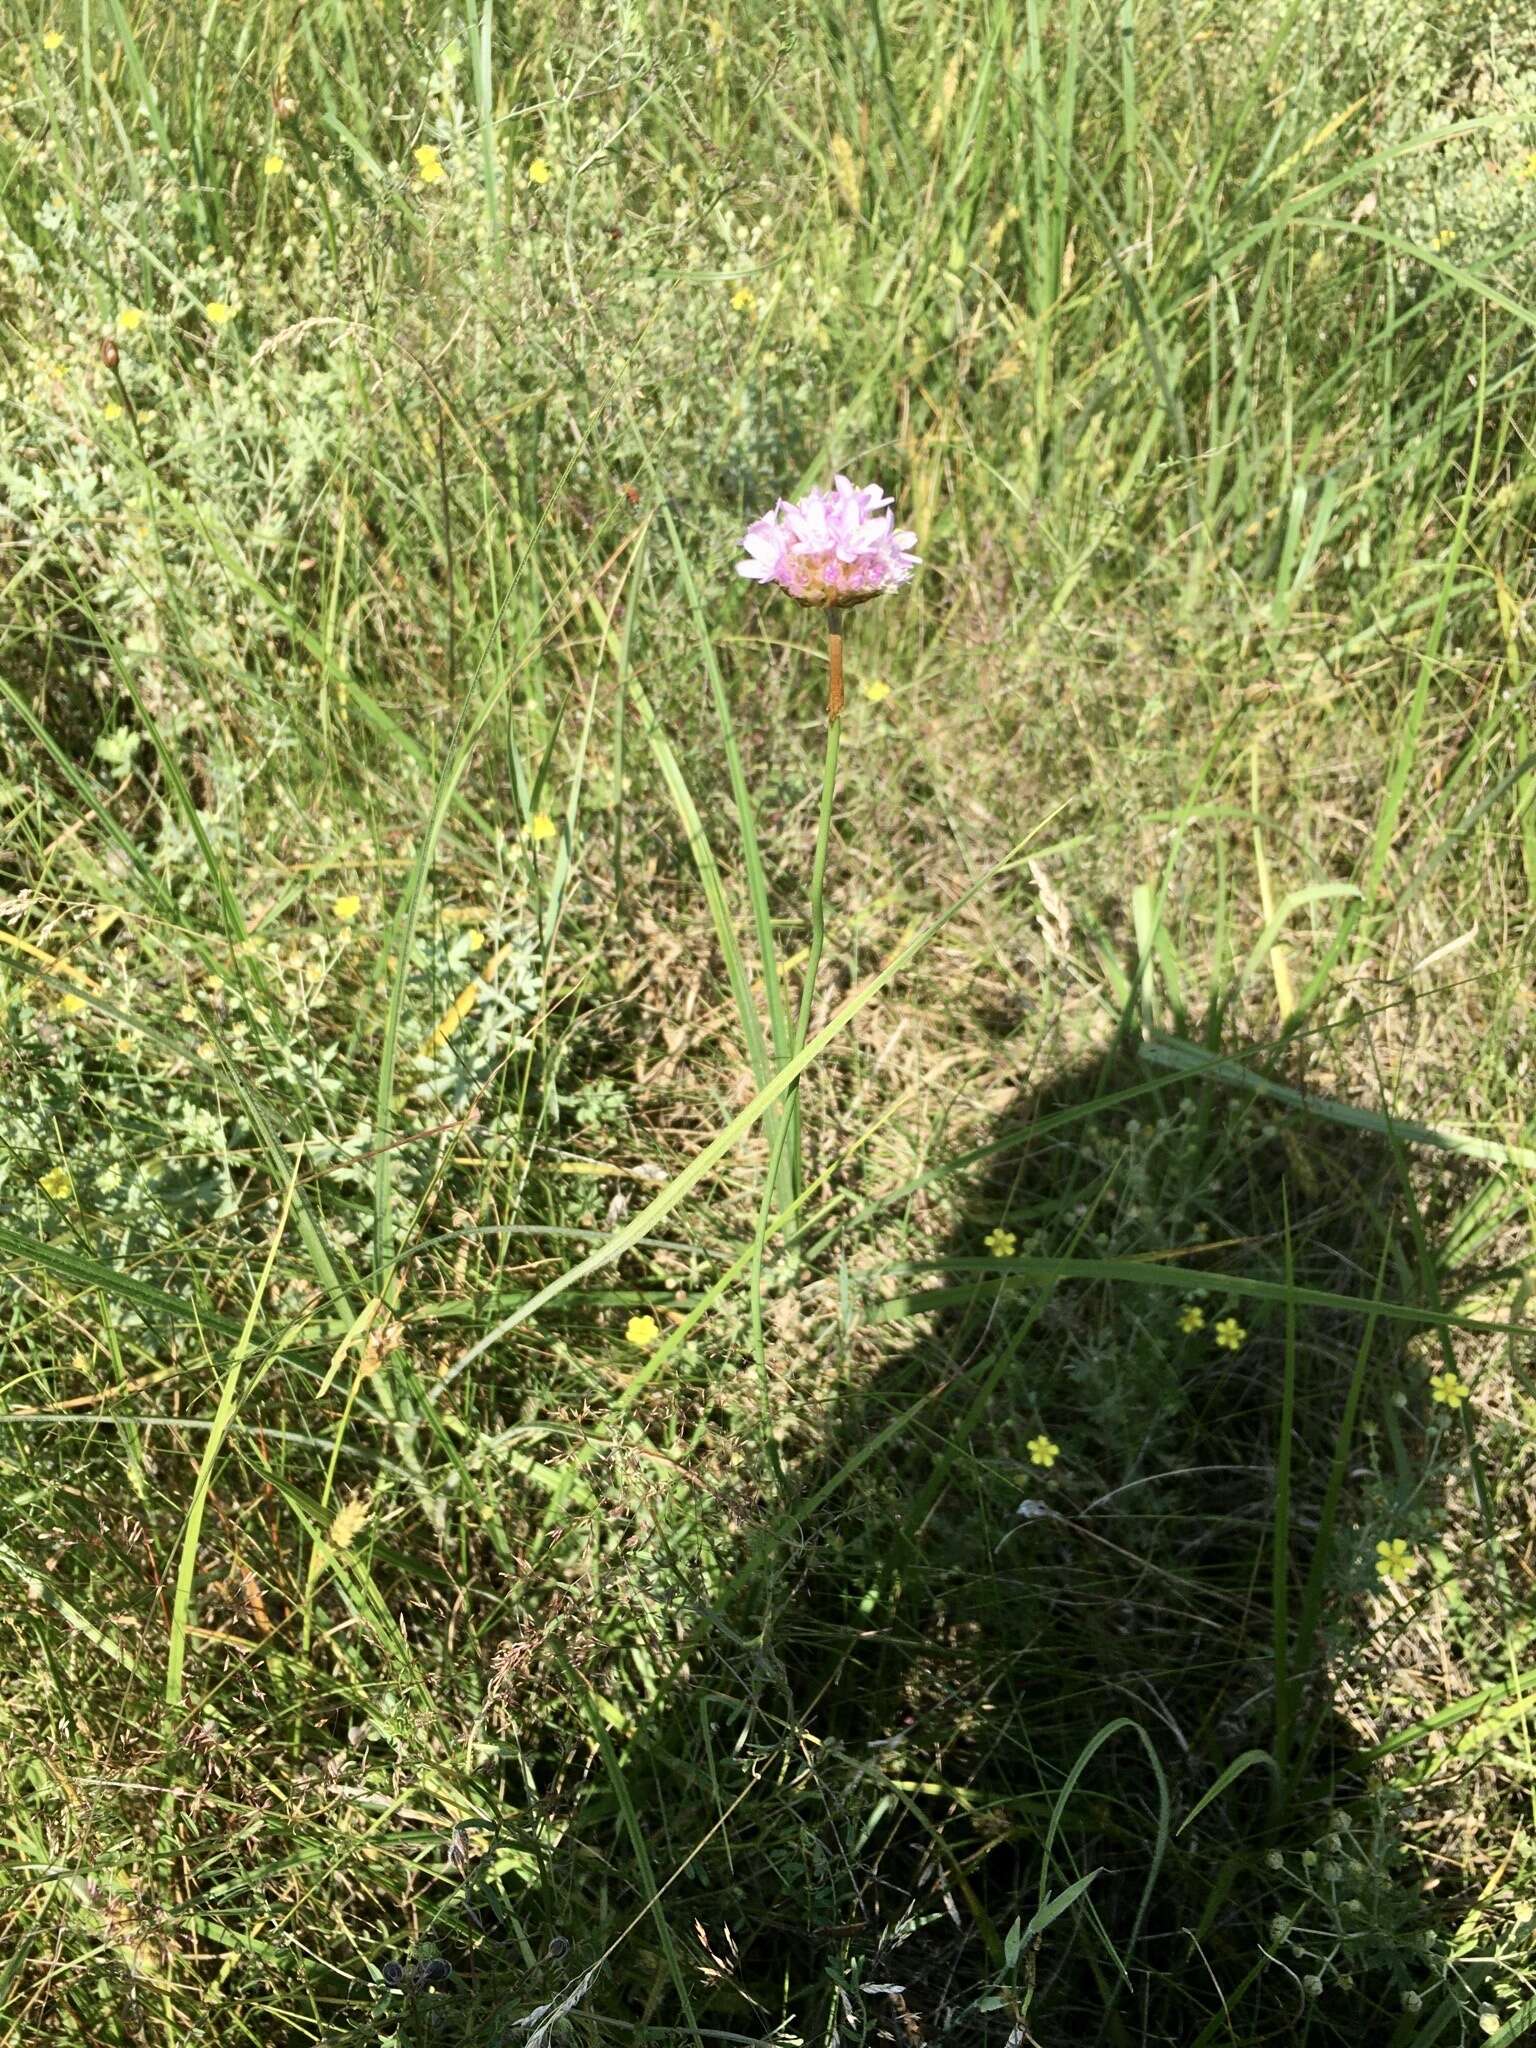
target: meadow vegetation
481 1564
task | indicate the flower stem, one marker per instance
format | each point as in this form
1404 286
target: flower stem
818 884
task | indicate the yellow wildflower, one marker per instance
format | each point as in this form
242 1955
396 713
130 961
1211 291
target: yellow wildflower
1042 1451
111 410
1526 170
743 299
474 939
539 172
1448 1388
130 319
1191 1319
217 312
272 165
1395 1562
876 690
541 826
345 908
53 40
642 1331
56 1184
1002 1244
72 1005
1230 1334
430 165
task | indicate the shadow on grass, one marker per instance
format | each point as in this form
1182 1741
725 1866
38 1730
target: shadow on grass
973 1748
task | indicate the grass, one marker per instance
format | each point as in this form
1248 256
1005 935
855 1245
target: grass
404 927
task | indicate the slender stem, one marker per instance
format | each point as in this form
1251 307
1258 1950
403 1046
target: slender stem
786 1141
818 882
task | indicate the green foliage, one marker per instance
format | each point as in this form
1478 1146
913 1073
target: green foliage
405 821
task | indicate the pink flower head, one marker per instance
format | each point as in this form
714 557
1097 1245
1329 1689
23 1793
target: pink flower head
837 547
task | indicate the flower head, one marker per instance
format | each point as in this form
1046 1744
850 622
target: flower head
1042 1451
1002 1244
876 690
56 1184
429 165
538 172
837 547
1230 1334
345 908
1191 1319
1449 1389
541 826
1395 1562
53 40
642 1331
272 165
130 319
218 311
743 299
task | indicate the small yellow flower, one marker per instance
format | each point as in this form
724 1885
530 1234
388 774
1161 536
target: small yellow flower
539 172
642 1331
1191 1319
1526 170
272 165
1002 1244
876 691
474 940
125 1044
72 1005
430 165
130 319
1444 239
56 1184
217 312
53 40
1395 1562
743 299
1449 1389
541 826
1230 1334
1042 1451
345 908
111 410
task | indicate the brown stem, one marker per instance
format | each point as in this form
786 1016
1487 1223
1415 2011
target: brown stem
834 665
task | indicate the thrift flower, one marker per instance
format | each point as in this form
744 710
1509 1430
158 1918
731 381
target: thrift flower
1002 1244
345 908
1191 1319
539 172
1042 1451
1230 1334
56 1184
642 1331
541 826
217 312
130 319
1395 1562
430 165
837 547
1449 1389
876 691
